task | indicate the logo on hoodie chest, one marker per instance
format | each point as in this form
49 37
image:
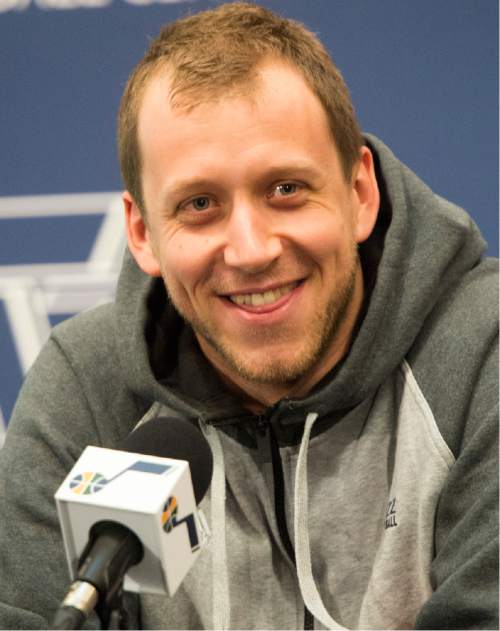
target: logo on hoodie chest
390 514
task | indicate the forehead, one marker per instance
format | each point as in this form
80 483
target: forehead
274 83
188 92
278 114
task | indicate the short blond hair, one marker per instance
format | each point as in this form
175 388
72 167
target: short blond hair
216 52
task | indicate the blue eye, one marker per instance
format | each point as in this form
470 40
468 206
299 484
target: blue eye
200 203
288 188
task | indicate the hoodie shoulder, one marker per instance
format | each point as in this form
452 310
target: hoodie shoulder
454 357
88 346
87 341
87 335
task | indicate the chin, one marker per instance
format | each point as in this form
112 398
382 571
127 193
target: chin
269 367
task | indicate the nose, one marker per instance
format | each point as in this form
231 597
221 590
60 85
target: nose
252 243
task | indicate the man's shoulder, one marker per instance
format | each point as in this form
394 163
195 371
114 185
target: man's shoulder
95 322
86 344
455 357
467 312
80 380
462 325
88 336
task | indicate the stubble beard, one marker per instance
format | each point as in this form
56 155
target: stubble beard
318 340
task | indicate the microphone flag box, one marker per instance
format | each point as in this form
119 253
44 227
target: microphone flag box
151 496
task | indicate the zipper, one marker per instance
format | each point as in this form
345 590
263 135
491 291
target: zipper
279 507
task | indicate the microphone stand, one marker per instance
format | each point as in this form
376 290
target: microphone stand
111 550
112 613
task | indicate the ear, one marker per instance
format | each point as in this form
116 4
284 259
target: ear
139 237
367 195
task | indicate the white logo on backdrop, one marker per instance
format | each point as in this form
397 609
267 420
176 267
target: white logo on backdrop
22 5
33 293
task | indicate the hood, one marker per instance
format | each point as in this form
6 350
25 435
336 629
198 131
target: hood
421 246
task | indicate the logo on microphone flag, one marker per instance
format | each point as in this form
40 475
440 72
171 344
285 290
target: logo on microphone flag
170 521
89 482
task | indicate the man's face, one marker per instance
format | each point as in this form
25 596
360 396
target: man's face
253 226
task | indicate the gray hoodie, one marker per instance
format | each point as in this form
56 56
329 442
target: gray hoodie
371 503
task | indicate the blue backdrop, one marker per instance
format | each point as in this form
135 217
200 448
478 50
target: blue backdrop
423 76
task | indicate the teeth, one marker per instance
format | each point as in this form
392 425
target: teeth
267 298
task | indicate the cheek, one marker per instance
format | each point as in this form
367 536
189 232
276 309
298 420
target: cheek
185 264
324 237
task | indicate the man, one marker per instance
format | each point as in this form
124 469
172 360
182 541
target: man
300 293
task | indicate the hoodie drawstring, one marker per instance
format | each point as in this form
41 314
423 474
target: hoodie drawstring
309 591
220 584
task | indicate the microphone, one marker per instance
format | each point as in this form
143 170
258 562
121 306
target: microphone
129 518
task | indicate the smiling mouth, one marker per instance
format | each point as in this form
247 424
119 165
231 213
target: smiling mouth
265 298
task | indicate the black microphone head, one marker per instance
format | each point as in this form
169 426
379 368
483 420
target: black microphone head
178 439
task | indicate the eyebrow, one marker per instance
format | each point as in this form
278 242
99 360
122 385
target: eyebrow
181 187
290 169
